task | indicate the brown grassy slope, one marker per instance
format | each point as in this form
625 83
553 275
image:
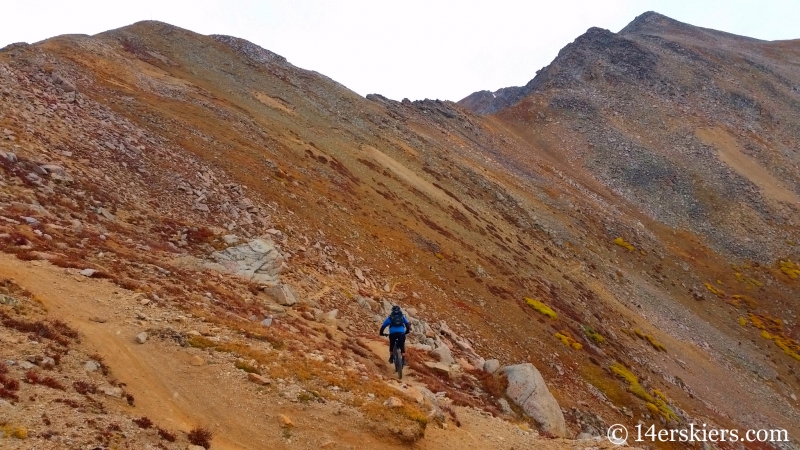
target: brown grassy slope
689 129
633 108
423 193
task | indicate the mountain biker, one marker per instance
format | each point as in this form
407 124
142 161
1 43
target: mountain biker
398 329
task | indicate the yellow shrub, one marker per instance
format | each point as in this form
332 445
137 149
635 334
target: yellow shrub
623 372
757 322
595 336
753 282
200 342
743 301
714 290
651 340
655 344
541 308
633 382
742 321
621 242
772 329
567 340
665 410
783 345
15 432
608 386
790 269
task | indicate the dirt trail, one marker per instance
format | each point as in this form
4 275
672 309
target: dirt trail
478 429
167 389
177 395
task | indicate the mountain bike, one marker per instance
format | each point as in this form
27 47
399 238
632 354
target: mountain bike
398 360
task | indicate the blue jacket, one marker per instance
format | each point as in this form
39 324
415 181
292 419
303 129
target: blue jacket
388 322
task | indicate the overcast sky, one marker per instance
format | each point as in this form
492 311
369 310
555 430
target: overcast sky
410 48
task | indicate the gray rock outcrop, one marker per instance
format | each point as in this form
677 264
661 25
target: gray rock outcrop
527 388
258 261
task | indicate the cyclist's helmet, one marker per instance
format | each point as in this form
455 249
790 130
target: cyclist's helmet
396 308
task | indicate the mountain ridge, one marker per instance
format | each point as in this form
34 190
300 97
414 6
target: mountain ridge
618 228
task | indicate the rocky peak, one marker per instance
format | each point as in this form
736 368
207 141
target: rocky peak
598 51
650 21
251 51
654 24
487 102
594 53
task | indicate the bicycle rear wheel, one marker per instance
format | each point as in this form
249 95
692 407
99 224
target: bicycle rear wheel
398 362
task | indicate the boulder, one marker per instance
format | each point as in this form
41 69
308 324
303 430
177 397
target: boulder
527 388
258 261
281 293
409 391
91 366
463 344
141 337
432 401
329 316
465 366
62 83
360 275
365 303
258 379
285 421
491 365
47 362
393 402
106 214
112 391
52 169
443 369
230 239
443 355
8 157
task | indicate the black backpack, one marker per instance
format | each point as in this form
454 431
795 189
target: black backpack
396 319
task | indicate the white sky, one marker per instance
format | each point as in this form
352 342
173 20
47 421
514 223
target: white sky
443 49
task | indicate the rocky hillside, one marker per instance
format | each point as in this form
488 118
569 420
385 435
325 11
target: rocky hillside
687 124
201 238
